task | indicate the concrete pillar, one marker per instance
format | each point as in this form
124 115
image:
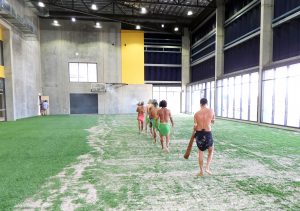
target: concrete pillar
219 52
8 64
266 45
185 69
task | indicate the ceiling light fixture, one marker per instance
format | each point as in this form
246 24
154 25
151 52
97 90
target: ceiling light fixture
41 4
98 25
190 12
162 25
55 23
176 29
73 19
143 10
94 7
138 27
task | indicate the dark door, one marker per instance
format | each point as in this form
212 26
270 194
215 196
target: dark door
84 103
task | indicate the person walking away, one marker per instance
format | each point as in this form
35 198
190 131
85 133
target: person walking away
203 120
164 115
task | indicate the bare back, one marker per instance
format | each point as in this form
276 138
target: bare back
203 119
152 112
140 110
164 115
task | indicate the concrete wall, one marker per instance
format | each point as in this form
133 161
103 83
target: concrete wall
59 46
22 68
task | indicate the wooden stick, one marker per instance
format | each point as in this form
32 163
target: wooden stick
189 147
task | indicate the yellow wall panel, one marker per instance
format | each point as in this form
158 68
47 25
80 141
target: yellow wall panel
132 43
2 73
1 35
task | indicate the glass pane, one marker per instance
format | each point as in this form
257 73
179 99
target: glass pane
267 101
163 88
293 115
174 89
155 89
280 95
92 73
281 72
253 96
208 92
83 72
230 97
219 101
195 101
294 70
155 95
162 96
212 98
268 74
245 79
224 98
245 97
237 98
73 71
173 99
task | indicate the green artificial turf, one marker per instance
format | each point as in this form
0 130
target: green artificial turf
254 168
33 149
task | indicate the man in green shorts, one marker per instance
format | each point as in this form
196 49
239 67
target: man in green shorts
163 115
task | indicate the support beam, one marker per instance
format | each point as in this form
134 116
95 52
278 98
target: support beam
181 4
266 45
185 67
219 52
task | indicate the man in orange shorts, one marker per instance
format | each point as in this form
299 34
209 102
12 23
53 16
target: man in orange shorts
141 110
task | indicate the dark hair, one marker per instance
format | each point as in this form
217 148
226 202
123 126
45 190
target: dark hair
163 104
203 101
142 103
154 102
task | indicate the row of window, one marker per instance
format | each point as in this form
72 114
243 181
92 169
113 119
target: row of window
171 94
237 97
83 72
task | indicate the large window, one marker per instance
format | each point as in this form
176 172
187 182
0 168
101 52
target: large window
172 94
280 100
201 90
237 97
83 72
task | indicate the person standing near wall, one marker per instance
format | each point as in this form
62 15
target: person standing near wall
45 106
203 120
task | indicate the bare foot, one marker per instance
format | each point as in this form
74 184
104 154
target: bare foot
208 171
200 174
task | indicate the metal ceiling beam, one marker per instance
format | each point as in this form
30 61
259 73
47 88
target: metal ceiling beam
181 4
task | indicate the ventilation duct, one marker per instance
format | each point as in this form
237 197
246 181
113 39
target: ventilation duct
22 23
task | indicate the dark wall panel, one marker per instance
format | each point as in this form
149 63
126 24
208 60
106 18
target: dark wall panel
162 58
233 6
204 30
283 6
243 25
162 73
245 55
84 103
204 52
286 40
203 70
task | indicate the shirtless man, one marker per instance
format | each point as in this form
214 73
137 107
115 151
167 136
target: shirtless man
164 115
203 120
147 109
152 117
141 110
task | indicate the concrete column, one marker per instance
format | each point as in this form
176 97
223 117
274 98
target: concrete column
266 45
185 69
8 64
219 52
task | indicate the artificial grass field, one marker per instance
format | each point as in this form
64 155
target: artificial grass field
254 168
33 149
